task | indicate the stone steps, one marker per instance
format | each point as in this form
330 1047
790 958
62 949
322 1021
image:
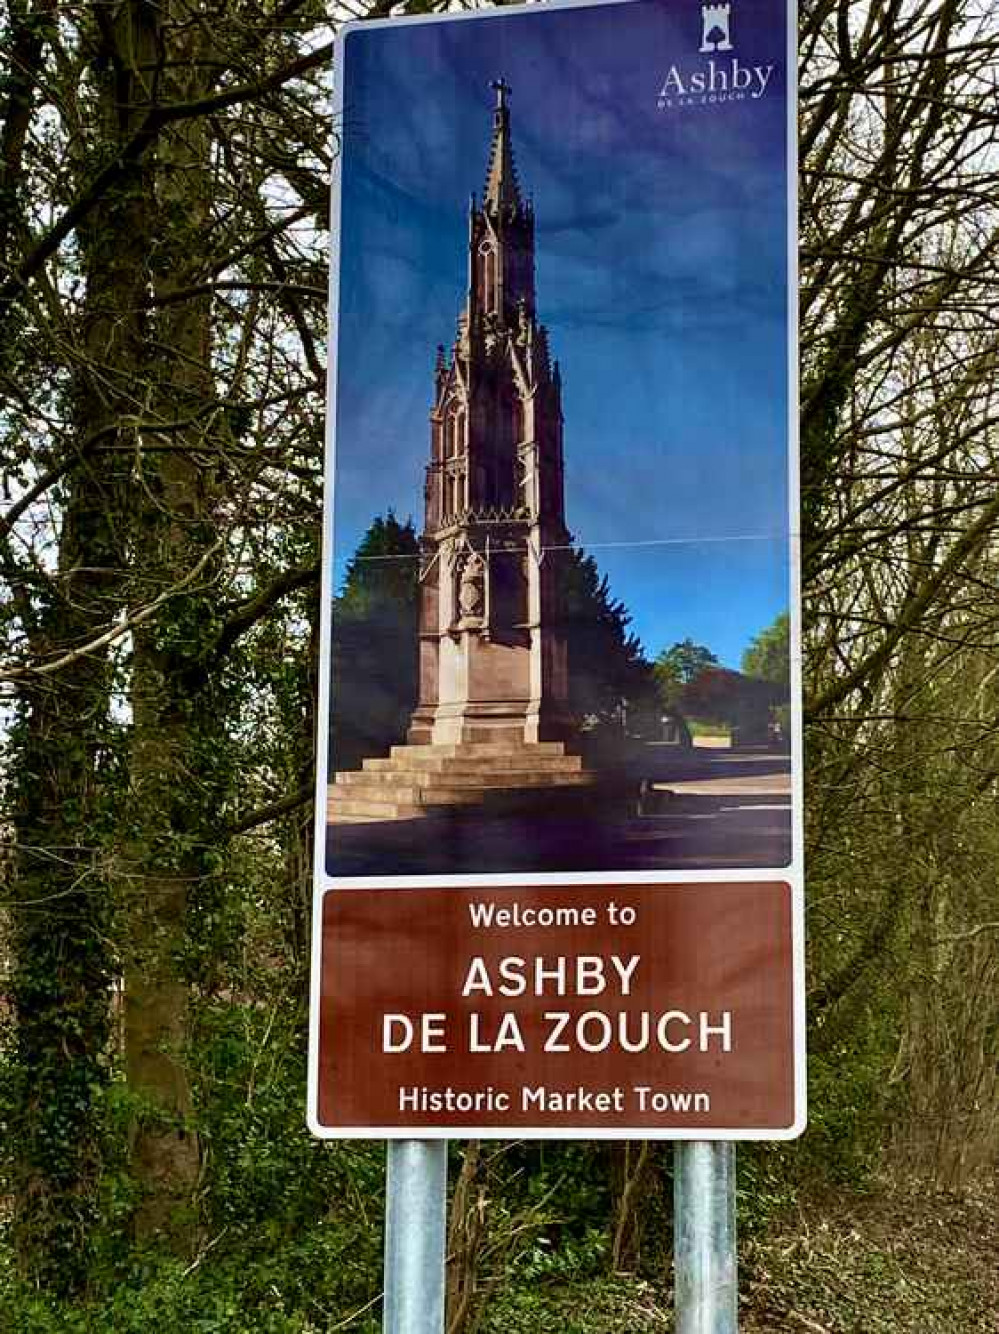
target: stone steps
479 749
397 779
410 794
396 801
416 782
364 810
499 765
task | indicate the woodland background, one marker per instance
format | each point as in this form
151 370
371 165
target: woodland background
164 174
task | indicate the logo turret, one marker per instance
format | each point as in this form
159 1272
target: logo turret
715 29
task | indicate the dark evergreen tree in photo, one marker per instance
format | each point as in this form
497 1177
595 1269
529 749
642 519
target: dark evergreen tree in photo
375 644
610 679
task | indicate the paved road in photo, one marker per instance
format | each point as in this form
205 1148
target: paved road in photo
701 809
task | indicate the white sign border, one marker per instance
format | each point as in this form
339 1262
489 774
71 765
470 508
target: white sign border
793 874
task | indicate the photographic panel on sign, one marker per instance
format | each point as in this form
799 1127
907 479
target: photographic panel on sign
681 758
560 628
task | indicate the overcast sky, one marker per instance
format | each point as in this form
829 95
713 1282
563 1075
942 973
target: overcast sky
661 243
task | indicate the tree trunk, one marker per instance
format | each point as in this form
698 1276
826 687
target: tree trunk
177 752
66 772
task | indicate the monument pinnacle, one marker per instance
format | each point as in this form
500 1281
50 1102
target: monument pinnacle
502 190
501 88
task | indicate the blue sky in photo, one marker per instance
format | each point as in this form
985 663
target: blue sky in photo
661 245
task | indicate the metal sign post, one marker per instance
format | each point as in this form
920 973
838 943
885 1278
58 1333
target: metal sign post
415 1230
704 1257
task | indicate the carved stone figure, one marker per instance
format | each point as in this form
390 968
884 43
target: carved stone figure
471 590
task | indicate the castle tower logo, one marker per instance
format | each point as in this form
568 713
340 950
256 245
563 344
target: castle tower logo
716 34
721 77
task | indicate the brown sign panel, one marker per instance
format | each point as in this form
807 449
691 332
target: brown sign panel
653 1008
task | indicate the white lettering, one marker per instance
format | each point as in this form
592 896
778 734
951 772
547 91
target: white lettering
604 1031
511 970
477 978
392 1043
398 1032
722 1030
590 975
485 915
714 83
672 1031
507 1035
625 970
552 1042
482 913
662 1030
741 76
673 85
558 975
662 1100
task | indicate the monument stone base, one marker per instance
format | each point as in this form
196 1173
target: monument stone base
415 781
486 723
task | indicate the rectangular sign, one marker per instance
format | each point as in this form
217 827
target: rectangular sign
514 1012
558 853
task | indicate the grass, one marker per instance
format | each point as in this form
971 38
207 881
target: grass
891 1262
898 1262
709 729
886 1262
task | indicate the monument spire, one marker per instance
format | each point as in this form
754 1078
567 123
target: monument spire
501 232
492 648
494 685
502 189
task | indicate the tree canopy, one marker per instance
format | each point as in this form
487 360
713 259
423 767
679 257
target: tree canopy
768 657
677 666
375 644
609 676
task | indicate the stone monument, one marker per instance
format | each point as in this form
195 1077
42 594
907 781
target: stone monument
492 716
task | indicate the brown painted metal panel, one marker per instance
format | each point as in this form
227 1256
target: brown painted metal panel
708 949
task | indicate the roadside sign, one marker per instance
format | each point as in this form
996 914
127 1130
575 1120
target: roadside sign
559 841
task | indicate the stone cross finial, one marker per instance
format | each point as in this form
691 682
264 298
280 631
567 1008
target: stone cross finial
502 90
501 181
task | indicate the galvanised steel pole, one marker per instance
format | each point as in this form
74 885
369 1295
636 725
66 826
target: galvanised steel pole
704 1260
415 1227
